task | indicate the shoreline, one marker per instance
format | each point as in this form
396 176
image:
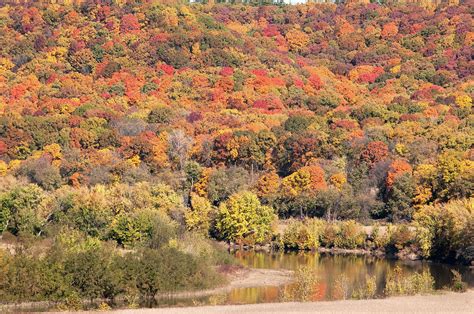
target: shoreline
443 302
239 278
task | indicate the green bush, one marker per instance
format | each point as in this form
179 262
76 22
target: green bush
76 268
93 273
166 270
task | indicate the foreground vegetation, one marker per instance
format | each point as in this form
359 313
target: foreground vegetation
305 287
77 268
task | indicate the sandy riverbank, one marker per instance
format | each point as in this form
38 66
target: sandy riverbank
245 278
447 302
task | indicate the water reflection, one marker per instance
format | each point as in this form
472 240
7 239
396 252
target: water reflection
338 275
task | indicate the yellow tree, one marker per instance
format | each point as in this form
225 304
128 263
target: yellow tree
268 184
198 216
243 219
306 179
338 180
297 40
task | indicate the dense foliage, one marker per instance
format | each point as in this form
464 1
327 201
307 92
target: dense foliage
367 107
78 267
444 232
141 122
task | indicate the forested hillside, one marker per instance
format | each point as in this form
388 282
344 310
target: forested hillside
135 123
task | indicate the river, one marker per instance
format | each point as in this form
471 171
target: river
330 269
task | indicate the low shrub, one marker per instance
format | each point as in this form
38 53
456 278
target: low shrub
367 290
380 239
457 284
164 270
342 288
201 247
329 235
75 269
302 235
402 236
350 235
304 288
400 283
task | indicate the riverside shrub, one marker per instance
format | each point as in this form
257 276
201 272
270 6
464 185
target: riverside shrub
400 283
402 236
450 227
305 286
367 290
379 238
74 270
329 235
303 235
350 235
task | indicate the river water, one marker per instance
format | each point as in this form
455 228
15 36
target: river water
329 269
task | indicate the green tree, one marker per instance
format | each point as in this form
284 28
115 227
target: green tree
128 229
166 199
93 273
399 197
225 182
20 209
298 123
160 115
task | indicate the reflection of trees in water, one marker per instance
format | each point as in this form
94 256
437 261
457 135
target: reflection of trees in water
338 275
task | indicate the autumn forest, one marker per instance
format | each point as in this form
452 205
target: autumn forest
142 125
